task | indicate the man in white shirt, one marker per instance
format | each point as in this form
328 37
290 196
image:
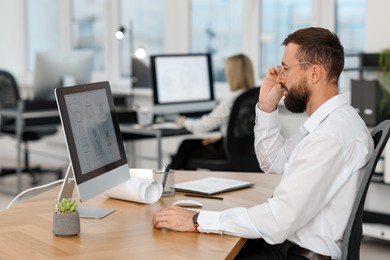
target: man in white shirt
322 164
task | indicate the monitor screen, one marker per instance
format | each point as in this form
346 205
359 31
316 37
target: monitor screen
93 138
182 83
58 69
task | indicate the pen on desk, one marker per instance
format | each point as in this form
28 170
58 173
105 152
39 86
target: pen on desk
203 196
165 169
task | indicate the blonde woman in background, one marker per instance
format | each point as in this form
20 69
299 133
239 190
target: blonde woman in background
240 77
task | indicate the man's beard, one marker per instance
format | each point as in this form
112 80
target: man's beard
297 97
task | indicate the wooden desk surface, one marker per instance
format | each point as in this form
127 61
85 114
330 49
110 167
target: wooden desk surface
26 228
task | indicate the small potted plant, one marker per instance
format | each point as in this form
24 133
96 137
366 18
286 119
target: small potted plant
384 81
66 220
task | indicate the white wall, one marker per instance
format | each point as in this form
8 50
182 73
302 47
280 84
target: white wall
377 25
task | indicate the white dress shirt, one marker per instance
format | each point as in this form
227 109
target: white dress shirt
217 118
322 166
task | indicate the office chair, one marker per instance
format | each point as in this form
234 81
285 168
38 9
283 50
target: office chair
239 140
353 233
33 129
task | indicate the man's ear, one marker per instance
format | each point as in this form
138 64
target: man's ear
316 73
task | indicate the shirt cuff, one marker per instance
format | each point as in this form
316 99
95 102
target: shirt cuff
209 221
266 120
188 123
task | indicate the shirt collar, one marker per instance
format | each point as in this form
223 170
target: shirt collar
322 112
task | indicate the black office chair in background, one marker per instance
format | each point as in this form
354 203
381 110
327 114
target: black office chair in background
353 232
32 130
239 140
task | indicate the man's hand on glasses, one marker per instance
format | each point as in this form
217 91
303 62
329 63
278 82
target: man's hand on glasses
271 92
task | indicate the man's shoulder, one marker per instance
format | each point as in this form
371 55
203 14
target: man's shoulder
344 122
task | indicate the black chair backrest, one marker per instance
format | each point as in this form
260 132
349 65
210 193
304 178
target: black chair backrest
9 92
239 141
9 95
353 232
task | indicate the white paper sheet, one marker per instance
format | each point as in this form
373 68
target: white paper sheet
137 189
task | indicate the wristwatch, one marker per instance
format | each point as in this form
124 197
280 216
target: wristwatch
195 221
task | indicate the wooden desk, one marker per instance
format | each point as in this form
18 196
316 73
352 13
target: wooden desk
26 228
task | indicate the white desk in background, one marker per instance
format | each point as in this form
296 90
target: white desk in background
21 115
157 131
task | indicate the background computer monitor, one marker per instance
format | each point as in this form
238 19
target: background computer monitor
60 68
93 138
140 74
182 83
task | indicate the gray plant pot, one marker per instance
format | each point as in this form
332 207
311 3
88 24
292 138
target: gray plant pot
66 224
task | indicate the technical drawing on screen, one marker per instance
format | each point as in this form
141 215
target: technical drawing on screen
182 83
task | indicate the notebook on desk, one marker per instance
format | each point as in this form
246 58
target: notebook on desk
166 125
212 185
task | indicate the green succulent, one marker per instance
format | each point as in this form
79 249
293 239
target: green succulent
66 206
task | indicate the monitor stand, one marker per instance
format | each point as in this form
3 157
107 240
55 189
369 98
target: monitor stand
67 192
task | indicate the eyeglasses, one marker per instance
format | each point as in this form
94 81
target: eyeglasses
281 69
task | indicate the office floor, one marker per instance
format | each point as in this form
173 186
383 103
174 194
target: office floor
52 152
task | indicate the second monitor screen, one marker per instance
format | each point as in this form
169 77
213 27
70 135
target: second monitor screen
183 78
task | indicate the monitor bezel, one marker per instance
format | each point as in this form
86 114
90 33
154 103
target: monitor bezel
72 151
153 69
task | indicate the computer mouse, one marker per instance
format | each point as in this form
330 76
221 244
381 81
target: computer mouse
188 203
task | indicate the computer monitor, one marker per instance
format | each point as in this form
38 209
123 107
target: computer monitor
182 83
140 74
97 156
60 68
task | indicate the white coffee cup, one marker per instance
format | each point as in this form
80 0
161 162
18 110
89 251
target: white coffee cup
144 116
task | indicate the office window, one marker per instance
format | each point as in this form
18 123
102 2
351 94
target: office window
350 15
350 27
278 18
88 28
42 28
216 27
145 22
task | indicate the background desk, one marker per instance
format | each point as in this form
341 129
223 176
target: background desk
127 233
139 132
46 115
40 114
